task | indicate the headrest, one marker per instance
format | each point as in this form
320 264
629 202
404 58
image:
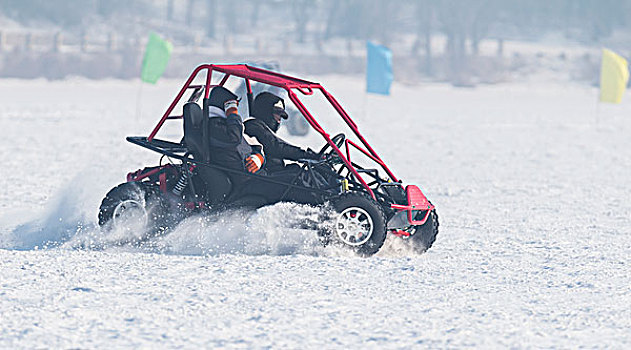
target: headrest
193 113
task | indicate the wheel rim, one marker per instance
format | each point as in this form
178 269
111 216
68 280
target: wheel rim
130 214
354 226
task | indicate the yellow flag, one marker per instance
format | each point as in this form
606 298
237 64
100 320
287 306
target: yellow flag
614 75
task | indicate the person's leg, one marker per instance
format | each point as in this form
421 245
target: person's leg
218 185
291 175
274 192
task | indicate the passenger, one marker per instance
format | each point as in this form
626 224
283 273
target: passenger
228 148
268 110
225 129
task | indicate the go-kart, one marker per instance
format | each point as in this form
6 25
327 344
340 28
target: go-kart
365 202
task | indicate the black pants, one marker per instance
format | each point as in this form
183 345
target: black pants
273 193
216 186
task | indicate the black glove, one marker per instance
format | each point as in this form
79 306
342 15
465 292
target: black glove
331 156
310 154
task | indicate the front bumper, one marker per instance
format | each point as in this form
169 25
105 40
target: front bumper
414 213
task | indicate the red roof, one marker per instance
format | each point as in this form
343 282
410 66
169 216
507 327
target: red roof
263 76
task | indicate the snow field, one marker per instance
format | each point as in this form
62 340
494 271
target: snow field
533 250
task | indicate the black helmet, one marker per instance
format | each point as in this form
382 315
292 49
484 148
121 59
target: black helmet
265 106
219 95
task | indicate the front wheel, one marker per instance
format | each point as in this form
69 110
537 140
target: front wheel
360 223
423 236
136 209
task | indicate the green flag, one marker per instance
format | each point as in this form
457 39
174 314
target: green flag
156 58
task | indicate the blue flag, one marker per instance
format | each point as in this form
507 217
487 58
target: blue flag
378 69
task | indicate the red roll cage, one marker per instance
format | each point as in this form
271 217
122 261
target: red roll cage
249 73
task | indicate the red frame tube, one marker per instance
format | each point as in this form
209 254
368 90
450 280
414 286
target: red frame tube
247 86
375 159
224 80
138 175
209 76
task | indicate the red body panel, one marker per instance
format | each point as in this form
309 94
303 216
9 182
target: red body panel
416 202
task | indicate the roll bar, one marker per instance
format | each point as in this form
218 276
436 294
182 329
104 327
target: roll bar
288 83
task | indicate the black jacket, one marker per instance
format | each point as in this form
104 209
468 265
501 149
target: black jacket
275 148
227 145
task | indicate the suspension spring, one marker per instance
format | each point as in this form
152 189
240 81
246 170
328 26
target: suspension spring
180 185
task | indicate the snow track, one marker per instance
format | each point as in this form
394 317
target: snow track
533 251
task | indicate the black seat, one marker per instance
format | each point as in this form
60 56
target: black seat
194 131
217 183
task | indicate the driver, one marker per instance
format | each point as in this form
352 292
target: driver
267 111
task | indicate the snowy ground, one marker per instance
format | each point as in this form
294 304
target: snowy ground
532 193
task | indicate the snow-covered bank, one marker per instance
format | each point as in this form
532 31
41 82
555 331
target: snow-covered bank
561 296
533 250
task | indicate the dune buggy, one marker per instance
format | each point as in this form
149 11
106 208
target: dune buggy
367 202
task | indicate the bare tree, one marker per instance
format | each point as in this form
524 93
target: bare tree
333 14
256 9
424 16
300 10
211 20
231 14
170 10
461 22
190 5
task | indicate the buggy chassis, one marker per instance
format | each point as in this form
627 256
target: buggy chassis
406 209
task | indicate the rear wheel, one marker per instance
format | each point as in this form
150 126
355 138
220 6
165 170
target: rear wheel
136 209
360 223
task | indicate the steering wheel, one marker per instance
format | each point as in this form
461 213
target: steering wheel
338 141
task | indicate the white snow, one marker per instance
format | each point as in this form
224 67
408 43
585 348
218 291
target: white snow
531 183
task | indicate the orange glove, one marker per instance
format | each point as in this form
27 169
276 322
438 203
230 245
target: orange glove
254 162
231 106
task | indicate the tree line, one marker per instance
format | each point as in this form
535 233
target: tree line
463 23
382 20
